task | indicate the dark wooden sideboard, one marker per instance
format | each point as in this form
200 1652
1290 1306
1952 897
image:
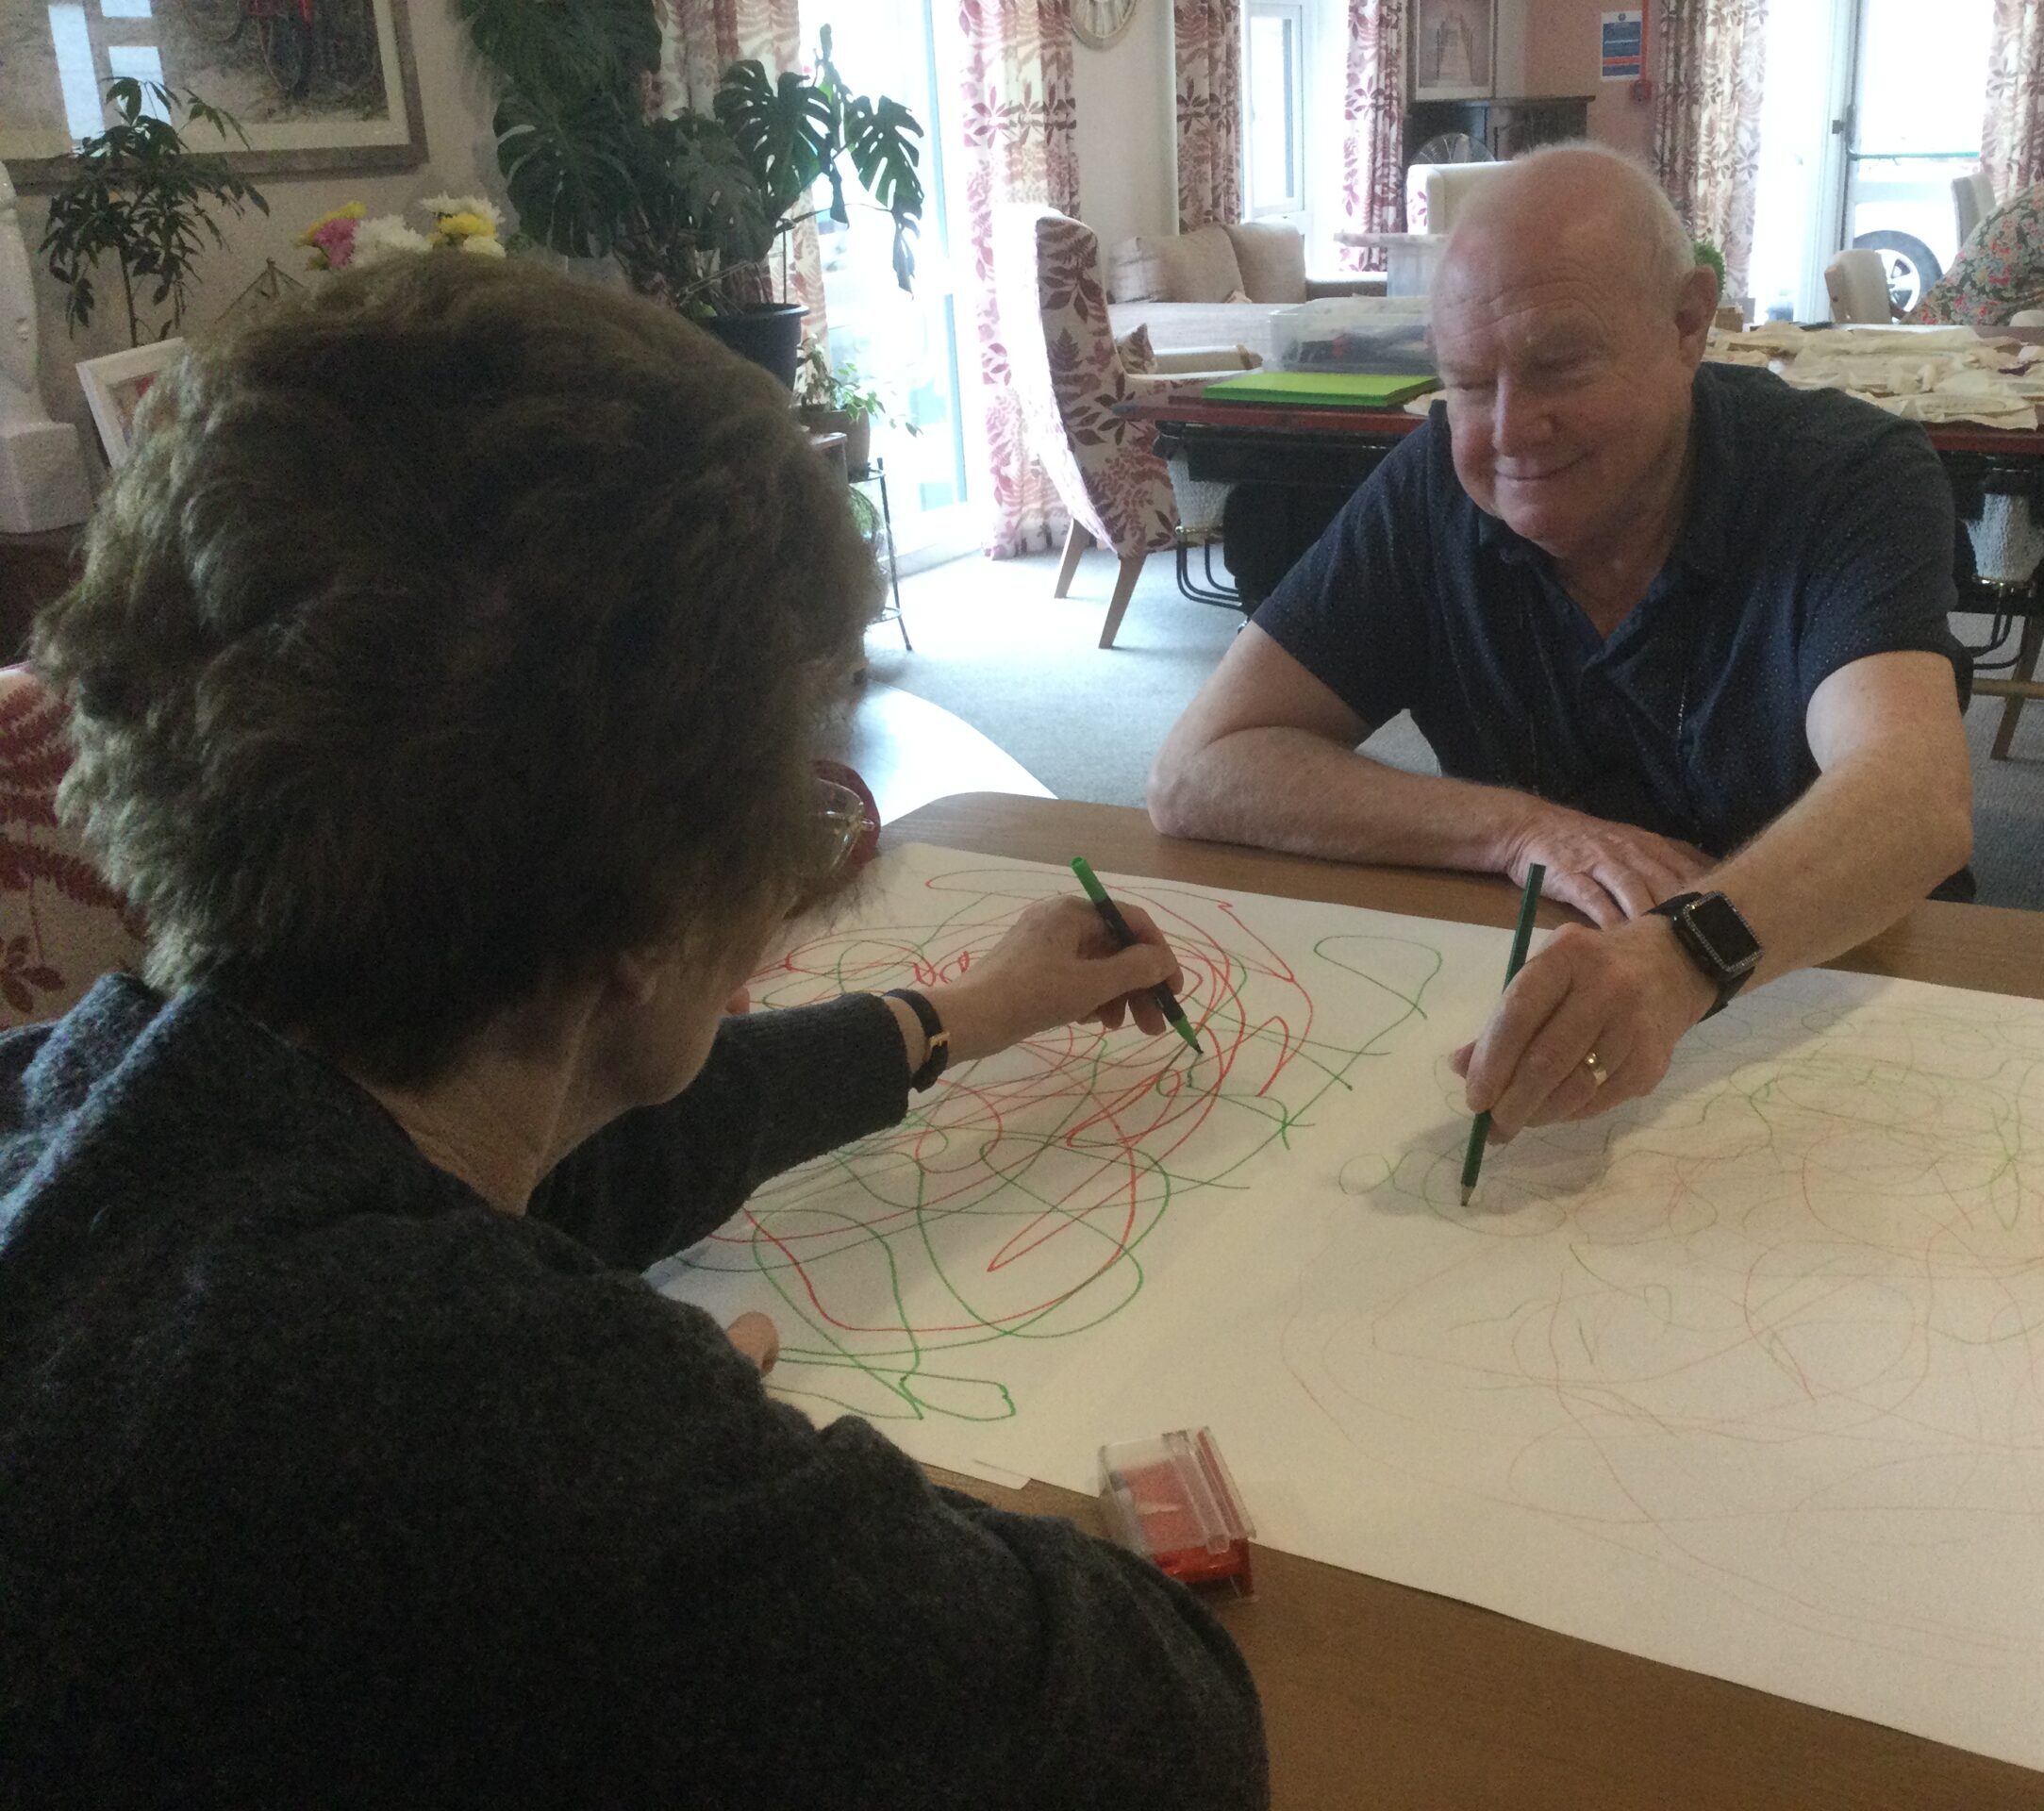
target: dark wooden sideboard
1504 127
33 570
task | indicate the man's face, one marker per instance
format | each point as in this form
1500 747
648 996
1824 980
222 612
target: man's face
1567 389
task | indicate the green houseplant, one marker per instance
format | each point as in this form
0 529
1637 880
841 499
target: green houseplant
140 193
691 205
839 399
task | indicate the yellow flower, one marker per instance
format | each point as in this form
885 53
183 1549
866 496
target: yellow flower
490 247
353 211
465 226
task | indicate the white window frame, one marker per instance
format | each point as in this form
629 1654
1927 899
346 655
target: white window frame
1293 206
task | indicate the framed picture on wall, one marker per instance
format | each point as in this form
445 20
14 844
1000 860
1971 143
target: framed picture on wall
114 387
1454 49
317 85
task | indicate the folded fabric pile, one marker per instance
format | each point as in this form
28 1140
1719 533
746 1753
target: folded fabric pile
1923 374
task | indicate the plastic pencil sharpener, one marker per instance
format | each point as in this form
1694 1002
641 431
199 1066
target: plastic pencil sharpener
1172 1500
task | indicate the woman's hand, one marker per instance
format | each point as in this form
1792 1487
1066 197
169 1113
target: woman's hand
1056 964
757 1337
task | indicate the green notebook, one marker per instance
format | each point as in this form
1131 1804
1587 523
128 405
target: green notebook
1342 389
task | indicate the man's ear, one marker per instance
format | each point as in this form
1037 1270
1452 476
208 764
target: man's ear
1696 307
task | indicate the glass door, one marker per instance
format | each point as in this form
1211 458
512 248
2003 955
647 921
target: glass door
1913 125
904 345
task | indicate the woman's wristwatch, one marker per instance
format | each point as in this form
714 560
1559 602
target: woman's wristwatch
1716 938
936 1039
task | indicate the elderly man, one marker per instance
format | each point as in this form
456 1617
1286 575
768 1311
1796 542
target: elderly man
1675 631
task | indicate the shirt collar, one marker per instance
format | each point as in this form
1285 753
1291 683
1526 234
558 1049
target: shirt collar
1702 542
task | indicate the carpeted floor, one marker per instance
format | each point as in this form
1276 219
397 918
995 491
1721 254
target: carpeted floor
996 647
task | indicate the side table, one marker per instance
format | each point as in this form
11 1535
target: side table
875 471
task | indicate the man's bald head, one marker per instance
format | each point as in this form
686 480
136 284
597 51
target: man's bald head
1599 202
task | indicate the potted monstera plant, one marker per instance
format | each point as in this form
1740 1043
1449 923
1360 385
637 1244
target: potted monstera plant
694 208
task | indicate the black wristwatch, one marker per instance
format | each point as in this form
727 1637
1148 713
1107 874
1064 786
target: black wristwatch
1716 938
936 1039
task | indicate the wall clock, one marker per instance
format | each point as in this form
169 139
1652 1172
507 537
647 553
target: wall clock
1098 23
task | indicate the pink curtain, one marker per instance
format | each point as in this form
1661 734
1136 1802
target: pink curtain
2012 146
699 40
1706 120
1207 37
1020 146
1374 120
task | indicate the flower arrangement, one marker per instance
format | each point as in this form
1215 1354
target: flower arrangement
349 235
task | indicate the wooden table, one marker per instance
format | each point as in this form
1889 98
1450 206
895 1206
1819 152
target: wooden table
1377 1695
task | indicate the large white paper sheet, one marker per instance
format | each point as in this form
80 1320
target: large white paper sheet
1748 1377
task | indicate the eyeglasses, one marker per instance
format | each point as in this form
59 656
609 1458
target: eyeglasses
843 814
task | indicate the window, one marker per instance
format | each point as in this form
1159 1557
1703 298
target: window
1274 89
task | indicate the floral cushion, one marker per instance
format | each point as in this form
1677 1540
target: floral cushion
1069 378
61 927
1998 270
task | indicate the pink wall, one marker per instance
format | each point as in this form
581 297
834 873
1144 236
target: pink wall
1559 38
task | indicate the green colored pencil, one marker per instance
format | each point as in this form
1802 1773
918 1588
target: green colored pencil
1473 1159
1111 915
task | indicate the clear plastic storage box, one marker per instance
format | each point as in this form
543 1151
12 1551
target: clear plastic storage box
1365 333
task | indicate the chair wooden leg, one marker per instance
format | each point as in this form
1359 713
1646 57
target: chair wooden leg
1125 589
1076 543
2031 647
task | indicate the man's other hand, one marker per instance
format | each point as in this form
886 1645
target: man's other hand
1608 872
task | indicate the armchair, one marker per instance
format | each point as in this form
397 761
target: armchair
1068 377
62 925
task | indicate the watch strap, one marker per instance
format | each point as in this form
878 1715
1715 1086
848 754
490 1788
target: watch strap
936 1039
1676 911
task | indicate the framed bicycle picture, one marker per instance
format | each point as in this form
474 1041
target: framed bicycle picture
317 85
1454 49
114 387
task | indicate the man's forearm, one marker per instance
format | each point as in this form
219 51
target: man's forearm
1867 840
1289 789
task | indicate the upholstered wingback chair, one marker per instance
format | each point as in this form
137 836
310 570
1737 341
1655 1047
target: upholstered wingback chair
1068 377
61 927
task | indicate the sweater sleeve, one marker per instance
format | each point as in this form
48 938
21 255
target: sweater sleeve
1050 1668
778 1088
909 1646
678 1579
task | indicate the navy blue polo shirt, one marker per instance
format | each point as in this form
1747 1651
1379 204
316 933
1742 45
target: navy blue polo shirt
1820 530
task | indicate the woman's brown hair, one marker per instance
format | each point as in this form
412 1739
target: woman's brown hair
456 630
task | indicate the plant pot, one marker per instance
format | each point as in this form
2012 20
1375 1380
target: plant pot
769 335
857 429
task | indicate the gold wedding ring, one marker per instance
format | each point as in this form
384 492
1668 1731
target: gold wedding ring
1597 1072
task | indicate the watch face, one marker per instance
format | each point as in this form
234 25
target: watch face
1723 934
1099 22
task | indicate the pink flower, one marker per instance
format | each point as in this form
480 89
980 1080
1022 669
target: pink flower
333 240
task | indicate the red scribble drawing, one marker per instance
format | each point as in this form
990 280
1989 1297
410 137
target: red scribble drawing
1019 1202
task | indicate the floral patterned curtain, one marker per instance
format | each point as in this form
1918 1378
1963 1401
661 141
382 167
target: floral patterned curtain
699 40
2012 147
1020 146
1706 120
1374 121
1208 40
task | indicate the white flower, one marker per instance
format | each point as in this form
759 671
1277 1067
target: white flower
439 206
483 247
379 238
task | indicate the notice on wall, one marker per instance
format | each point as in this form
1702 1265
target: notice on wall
1622 46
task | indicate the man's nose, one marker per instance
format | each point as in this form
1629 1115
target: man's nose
1519 418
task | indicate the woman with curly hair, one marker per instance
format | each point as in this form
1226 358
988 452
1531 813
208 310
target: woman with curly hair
445 673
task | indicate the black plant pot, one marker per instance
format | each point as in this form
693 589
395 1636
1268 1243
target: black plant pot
769 335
